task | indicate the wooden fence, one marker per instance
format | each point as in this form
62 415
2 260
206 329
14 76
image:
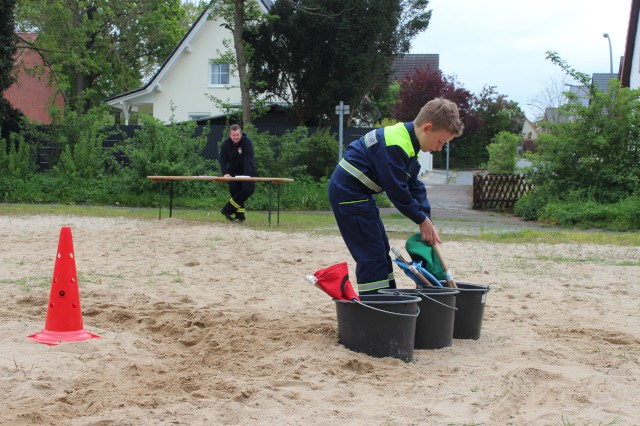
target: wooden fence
498 191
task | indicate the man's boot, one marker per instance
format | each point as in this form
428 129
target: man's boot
227 211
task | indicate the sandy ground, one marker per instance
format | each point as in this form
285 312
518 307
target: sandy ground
214 324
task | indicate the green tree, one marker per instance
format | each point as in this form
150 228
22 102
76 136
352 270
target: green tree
594 155
315 53
503 152
98 48
7 53
192 11
377 107
423 85
492 113
241 18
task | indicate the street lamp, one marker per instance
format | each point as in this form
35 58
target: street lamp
606 35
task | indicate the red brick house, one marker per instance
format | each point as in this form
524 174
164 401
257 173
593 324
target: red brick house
32 92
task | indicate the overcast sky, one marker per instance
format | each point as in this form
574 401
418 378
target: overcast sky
502 43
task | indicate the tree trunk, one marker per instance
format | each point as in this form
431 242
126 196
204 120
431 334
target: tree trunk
239 22
80 86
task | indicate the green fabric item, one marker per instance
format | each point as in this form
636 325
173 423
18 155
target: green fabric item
421 251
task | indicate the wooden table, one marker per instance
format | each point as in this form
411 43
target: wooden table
271 180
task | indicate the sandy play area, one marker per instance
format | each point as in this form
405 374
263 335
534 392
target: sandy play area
213 324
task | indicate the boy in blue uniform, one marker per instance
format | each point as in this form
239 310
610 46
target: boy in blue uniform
386 160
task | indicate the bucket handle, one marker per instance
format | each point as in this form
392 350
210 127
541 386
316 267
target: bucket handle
432 299
387 312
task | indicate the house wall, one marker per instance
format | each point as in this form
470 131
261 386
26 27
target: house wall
185 86
31 93
634 75
529 130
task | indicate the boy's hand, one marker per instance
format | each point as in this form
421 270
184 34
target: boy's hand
429 233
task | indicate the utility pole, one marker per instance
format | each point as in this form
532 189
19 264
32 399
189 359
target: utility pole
341 110
447 165
606 35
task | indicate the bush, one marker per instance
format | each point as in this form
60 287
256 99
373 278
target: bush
164 150
79 140
629 213
594 155
503 151
18 159
529 205
7 188
621 216
296 154
319 152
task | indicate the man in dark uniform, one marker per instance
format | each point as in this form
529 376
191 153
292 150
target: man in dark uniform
386 160
237 159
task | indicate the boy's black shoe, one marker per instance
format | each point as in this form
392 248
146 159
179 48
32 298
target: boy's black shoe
240 217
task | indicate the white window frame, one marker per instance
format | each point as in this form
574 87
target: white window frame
195 116
214 70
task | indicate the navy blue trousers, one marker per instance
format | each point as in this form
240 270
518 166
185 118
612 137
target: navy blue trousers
363 232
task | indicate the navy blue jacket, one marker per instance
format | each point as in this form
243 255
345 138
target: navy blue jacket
394 167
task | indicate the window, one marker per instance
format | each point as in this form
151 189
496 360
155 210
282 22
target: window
219 74
198 115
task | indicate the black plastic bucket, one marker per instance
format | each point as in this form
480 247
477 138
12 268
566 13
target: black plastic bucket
434 328
470 303
380 325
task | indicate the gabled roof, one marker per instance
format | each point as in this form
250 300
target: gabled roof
601 81
154 81
406 64
632 29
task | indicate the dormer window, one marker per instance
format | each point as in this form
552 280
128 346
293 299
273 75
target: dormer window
218 74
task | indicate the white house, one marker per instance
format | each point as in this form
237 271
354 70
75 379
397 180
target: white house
183 88
425 159
630 70
530 130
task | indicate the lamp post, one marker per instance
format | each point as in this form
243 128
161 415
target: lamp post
606 35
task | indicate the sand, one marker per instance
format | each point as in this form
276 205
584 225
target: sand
206 324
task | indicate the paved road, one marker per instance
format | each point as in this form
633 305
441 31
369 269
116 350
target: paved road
451 208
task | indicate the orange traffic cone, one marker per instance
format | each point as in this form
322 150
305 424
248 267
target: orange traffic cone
64 315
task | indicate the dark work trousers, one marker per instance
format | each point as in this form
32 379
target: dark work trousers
240 191
363 232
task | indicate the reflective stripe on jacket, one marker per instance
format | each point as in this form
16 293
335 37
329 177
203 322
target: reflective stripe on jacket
385 160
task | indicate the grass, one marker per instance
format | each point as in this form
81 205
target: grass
324 223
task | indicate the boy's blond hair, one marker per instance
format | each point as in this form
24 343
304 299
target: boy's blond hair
442 114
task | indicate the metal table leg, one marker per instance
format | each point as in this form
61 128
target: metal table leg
160 203
171 199
278 205
270 185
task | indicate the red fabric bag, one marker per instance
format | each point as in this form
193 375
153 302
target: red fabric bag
334 281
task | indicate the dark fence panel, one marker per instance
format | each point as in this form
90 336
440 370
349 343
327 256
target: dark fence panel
498 191
119 134
216 134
